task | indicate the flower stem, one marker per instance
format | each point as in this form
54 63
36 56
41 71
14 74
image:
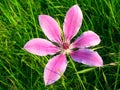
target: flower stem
73 65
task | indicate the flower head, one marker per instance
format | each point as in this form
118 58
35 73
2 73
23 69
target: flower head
78 49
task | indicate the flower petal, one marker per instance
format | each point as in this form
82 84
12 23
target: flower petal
54 69
87 39
72 22
40 47
87 56
50 28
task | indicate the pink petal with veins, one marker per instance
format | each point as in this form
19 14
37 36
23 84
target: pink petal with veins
88 57
50 28
87 39
72 22
40 47
55 69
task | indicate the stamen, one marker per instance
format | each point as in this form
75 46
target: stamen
65 46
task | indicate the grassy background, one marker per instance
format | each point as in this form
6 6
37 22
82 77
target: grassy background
20 70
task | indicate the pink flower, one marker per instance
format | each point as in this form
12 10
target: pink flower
78 49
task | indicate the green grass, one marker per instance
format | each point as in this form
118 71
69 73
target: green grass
20 70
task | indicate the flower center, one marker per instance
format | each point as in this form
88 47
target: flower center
65 46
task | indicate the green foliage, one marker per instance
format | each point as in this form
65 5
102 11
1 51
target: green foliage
20 70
